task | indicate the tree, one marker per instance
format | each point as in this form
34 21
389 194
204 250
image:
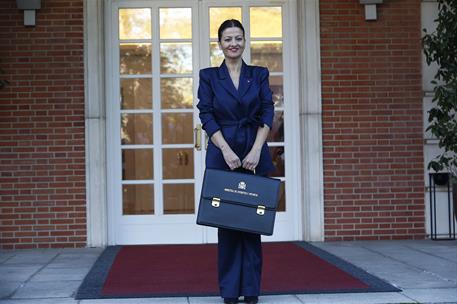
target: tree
441 47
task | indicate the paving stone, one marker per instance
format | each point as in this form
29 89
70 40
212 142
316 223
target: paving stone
13 273
280 299
421 260
73 260
60 274
177 300
40 301
55 289
7 288
26 258
5 255
205 300
437 295
355 298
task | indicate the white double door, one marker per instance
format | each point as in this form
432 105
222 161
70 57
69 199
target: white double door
156 148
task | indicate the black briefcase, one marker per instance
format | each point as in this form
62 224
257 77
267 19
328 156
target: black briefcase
238 201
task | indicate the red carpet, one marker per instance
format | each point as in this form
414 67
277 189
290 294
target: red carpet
190 270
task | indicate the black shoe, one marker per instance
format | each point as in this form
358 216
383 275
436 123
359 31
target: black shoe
230 300
251 300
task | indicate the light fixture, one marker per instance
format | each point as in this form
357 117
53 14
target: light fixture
29 7
370 8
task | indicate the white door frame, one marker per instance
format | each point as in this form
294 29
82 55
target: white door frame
96 18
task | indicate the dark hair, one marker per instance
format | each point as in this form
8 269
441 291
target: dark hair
226 24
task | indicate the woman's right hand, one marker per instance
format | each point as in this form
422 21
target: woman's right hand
232 160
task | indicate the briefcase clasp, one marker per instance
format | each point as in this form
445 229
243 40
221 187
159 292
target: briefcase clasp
260 210
216 202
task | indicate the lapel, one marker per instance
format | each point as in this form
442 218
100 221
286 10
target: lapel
244 83
245 79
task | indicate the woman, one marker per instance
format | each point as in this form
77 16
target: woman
236 110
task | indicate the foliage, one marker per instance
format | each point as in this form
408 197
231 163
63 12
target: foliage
441 47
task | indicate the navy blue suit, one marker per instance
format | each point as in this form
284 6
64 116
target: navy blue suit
237 114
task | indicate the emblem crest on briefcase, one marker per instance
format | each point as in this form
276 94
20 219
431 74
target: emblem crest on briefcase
242 185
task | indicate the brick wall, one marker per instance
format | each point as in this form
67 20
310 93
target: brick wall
372 121
42 166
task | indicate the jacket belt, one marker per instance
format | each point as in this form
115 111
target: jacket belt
244 122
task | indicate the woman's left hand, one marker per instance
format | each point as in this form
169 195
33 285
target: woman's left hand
251 160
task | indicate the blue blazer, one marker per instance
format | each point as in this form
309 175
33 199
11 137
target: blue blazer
237 113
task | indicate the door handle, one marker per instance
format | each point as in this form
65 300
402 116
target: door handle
198 137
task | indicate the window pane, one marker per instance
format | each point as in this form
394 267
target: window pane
178 163
136 129
135 23
135 58
175 58
277 131
176 93
216 55
266 22
217 15
175 23
282 197
276 86
267 53
177 128
277 154
136 93
137 164
178 198
137 199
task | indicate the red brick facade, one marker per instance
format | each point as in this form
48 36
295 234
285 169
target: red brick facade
372 121
42 165
372 124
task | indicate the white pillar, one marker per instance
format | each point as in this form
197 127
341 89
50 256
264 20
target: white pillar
311 120
95 118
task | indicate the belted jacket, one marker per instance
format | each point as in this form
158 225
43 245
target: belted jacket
236 113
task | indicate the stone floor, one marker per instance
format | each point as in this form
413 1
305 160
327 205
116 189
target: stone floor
426 271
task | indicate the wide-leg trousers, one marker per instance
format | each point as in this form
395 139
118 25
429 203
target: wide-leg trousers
239 263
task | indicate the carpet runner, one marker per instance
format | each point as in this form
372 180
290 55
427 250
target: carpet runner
191 270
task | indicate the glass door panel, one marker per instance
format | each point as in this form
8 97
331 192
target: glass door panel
135 58
176 87
137 199
178 198
217 15
178 163
266 22
136 93
176 93
135 108
135 23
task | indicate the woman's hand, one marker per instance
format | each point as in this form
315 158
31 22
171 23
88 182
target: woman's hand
232 160
251 160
